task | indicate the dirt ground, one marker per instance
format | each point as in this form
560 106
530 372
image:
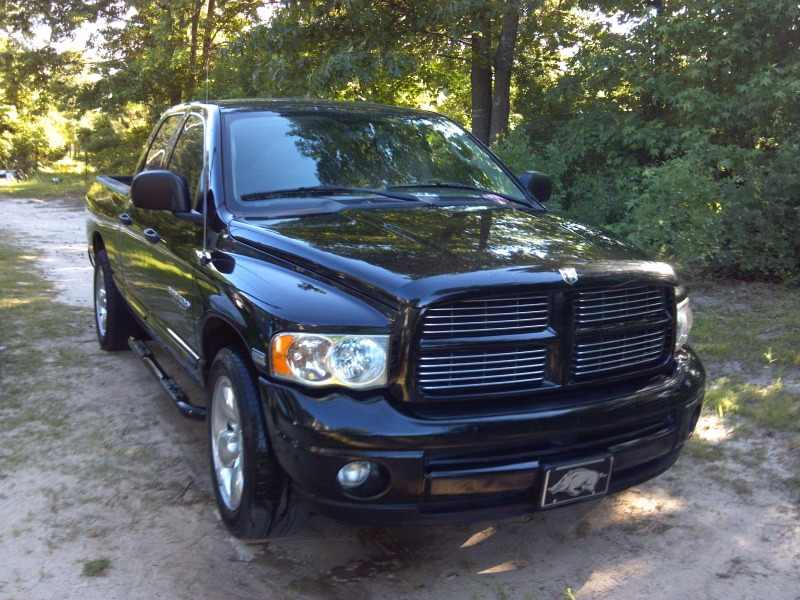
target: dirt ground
105 494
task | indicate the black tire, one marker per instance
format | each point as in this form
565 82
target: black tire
120 323
264 509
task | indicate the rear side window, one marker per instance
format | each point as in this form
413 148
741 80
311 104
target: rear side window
187 158
157 154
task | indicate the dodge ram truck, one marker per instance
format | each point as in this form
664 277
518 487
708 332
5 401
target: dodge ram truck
390 325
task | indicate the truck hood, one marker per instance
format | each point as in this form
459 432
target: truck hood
418 254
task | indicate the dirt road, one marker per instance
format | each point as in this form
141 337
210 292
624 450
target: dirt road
105 494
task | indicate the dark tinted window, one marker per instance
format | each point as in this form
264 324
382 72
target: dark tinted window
270 152
157 154
187 158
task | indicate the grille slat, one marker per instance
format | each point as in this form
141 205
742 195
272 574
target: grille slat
659 338
482 377
453 371
459 372
601 350
603 360
628 364
483 385
597 307
620 353
517 353
494 314
622 306
633 337
541 305
486 317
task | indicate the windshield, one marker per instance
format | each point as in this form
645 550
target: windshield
418 154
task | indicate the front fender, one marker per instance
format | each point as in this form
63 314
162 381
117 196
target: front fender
258 298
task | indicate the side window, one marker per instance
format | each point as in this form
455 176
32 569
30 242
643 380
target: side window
187 158
157 154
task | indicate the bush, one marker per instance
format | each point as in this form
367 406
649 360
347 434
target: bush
113 144
714 207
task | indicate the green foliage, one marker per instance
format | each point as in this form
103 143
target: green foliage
113 145
772 405
680 135
675 127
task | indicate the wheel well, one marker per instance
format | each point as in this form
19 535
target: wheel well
217 334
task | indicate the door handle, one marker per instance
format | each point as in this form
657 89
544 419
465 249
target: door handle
151 235
125 219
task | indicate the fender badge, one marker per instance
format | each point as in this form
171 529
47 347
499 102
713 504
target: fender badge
569 275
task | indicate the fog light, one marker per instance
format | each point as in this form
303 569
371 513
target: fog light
354 474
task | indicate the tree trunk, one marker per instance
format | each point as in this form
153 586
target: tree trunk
208 32
481 81
503 65
198 4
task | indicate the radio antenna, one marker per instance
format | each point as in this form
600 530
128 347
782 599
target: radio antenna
205 258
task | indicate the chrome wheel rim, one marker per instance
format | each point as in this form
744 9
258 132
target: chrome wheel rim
100 301
227 446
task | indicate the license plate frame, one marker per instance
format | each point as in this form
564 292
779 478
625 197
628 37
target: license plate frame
576 481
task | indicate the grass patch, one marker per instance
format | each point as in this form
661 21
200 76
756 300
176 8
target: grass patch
32 325
96 568
704 450
771 406
755 324
42 185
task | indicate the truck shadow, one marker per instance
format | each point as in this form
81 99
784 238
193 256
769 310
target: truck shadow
536 555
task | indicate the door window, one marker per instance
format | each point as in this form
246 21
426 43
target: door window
187 157
157 154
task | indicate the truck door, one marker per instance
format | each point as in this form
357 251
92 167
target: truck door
162 269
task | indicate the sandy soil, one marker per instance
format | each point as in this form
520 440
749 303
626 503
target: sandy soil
107 470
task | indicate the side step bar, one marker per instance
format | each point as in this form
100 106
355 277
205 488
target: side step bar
174 391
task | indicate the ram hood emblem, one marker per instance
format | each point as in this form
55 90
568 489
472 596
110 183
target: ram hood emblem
569 274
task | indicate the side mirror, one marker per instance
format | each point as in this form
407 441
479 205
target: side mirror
160 190
538 184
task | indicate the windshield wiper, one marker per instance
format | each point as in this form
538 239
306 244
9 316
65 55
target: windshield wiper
324 190
454 186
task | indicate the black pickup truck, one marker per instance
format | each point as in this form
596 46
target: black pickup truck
390 325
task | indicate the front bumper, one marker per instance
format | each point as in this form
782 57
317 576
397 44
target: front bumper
484 464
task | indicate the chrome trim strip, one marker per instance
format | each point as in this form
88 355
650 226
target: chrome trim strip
183 344
488 383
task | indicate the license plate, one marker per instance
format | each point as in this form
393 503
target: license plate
576 481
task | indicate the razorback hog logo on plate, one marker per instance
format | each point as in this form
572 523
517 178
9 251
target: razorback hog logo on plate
576 482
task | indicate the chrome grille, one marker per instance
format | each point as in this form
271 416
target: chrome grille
525 313
454 372
617 352
597 308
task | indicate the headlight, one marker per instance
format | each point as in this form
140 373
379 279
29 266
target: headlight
685 320
354 361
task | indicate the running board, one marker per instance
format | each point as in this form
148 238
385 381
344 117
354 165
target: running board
174 391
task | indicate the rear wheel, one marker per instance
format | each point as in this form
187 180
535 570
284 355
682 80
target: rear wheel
112 317
251 489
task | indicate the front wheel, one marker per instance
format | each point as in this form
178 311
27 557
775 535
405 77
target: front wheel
251 489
